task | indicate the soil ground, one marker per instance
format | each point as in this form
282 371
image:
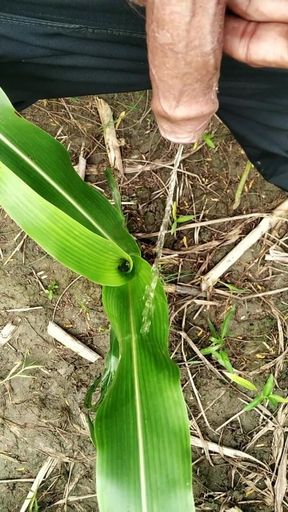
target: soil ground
43 416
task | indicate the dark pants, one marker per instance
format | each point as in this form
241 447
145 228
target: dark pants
53 48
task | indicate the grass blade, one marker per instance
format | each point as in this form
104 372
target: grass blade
268 387
224 331
241 185
223 359
185 218
212 330
258 400
241 381
278 399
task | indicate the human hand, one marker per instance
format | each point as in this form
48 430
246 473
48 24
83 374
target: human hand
258 35
185 44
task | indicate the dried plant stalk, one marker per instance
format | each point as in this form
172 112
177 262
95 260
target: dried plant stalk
110 137
265 225
70 342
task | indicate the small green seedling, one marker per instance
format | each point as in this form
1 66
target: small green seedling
21 369
266 395
52 289
241 185
218 338
179 220
176 276
74 99
34 506
84 308
232 288
208 139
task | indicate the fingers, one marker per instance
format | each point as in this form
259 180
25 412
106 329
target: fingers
185 50
260 10
257 44
264 43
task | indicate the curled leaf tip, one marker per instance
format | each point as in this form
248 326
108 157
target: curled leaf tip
125 266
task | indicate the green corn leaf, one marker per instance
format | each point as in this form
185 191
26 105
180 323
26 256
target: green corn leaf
91 428
258 400
241 381
268 387
43 164
88 399
91 407
102 384
71 243
142 434
142 428
111 364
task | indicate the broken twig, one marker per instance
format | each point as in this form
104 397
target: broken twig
69 341
110 137
80 168
7 332
265 225
281 481
43 473
223 451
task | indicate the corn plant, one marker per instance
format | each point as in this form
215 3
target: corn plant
181 219
141 428
52 289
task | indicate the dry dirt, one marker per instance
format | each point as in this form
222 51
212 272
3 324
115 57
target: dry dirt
43 415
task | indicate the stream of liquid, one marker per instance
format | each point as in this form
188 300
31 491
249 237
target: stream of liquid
151 288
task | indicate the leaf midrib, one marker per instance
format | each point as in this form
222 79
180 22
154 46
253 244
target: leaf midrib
55 185
139 418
